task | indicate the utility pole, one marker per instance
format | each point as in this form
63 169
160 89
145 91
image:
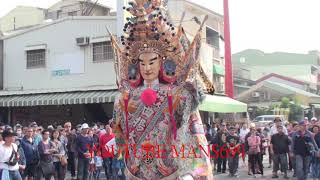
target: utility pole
227 56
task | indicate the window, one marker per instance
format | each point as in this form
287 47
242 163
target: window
212 37
242 60
257 119
102 51
59 13
36 58
269 118
314 70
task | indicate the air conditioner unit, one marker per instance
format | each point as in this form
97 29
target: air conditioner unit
255 94
82 41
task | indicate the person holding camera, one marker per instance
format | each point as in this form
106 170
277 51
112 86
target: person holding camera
9 158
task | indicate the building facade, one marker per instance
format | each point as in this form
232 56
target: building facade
241 79
304 67
64 66
212 33
23 17
267 94
218 107
63 70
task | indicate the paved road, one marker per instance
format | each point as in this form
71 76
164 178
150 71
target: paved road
243 173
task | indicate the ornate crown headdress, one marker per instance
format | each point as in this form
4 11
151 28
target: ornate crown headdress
150 30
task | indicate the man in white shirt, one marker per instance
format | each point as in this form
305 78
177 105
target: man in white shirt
9 157
274 130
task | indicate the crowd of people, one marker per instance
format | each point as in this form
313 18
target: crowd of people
34 152
290 146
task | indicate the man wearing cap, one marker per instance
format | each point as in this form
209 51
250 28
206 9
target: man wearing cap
313 123
9 156
82 143
302 146
277 122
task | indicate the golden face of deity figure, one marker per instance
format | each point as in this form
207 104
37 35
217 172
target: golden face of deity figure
149 64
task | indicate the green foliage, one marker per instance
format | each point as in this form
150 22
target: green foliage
264 111
296 111
285 102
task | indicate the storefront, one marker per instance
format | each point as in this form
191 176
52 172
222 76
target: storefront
55 108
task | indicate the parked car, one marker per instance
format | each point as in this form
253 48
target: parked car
264 120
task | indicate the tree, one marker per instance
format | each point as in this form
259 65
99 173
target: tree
296 111
285 102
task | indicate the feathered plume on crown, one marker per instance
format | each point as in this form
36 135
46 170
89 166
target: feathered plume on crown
150 30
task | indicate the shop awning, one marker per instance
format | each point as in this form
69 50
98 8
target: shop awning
217 69
83 97
316 106
222 104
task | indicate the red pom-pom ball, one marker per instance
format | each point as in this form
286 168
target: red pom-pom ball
148 97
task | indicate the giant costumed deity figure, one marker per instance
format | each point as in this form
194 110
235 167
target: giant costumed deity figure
161 84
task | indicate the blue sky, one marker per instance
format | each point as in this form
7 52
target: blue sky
269 25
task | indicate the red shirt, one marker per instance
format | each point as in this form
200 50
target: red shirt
104 139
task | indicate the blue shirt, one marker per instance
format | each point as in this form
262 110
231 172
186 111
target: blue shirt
82 143
303 144
30 151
